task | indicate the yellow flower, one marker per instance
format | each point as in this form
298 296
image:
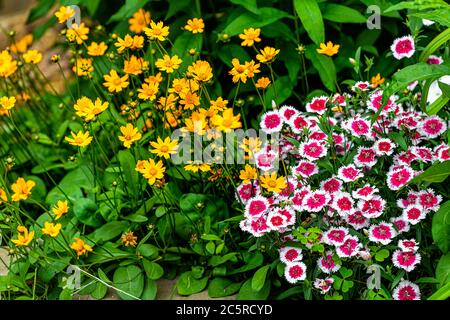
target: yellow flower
329 49
151 170
157 31
164 148
32 56
80 247
189 100
249 173
61 208
22 189
252 68
7 103
135 65
81 139
157 78
201 71
77 33
239 71
184 85
7 64
82 105
51 229
195 25
250 36
83 67
64 13
377 81
227 121
97 49
139 21
22 44
168 64
133 43
114 82
219 104
130 135
262 83
148 91
251 145
3 196
24 237
129 239
267 54
95 109
195 167
271 183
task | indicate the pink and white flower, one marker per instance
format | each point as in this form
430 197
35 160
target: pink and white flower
349 248
287 112
290 254
316 201
256 207
361 86
295 272
265 160
398 178
375 102
408 245
331 185
312 150
406 290
366 192
276 221
435 60
324 285
372 208
401 225
366 157
406 260
429 200
414 214
335 236
442 152
246 191
432 127
327 263
358 127
384 147
349 173
382 233
258 226
357 220
317 105
271 122
305 169
403 47
343 203
298 123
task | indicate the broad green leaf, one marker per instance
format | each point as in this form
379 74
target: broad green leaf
187 284
417 5
437 105
148 250
311 18
91 6
399 139
130 280
153 270
247 293
435 44
176 6
445 88
183 44
255 261
222 287
441 227
246 20
438 172
440 16
341 13
250 5
324 66
259 278
100 291
109 231
443 269
85 210
150 290
39 10
127 10
442 294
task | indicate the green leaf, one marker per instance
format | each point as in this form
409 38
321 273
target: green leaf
85 210
445 88
443 269
259 278
438 172
340 13
222 287
311 18
442 294
187 284
100 291
399 139
417 5
247 293
183 44
91 6
246 20
437 105
150 290
324 65
255 261
153 270
230 51
441 16
130 280
128 165
419 71
441 227
148 250
435 44
40 10
109 231
250 5
381 255
127 10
